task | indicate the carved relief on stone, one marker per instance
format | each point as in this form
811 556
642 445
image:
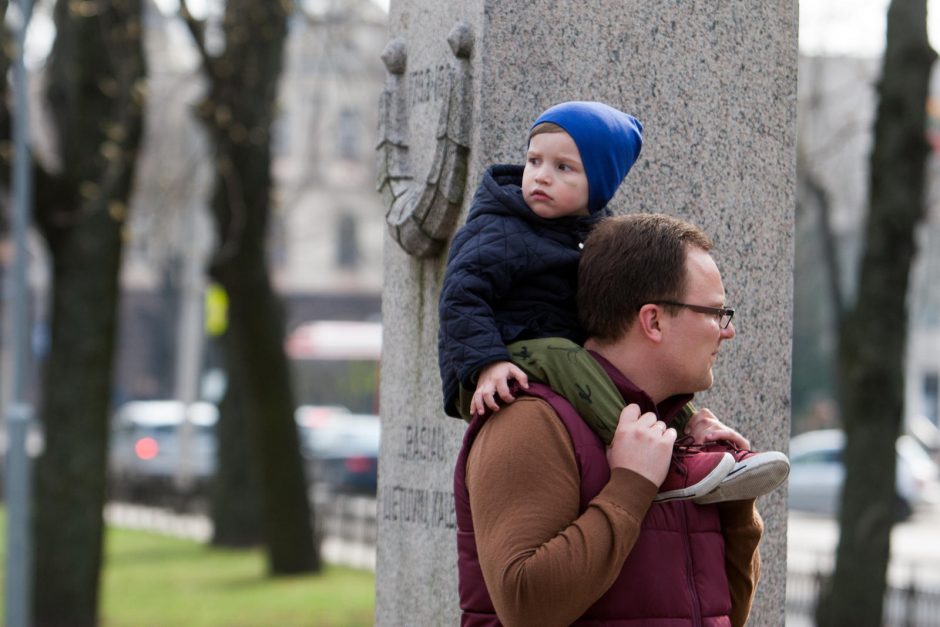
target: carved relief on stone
421 216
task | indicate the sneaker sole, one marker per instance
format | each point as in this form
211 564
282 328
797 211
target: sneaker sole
754 477
704 487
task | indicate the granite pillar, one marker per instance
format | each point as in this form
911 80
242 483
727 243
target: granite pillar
715 86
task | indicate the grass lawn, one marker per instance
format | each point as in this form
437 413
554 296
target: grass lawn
154 581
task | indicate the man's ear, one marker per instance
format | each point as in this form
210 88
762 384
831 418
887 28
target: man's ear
649 320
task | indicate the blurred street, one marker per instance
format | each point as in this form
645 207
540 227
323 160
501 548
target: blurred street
915 546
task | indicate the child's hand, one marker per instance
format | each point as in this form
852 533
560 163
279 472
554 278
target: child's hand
493 379
705 427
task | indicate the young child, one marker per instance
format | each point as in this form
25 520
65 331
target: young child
507 306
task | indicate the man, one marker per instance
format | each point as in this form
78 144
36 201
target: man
552 527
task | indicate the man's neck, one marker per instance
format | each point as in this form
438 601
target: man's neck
633 365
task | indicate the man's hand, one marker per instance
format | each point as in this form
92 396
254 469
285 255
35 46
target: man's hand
705 427
494 379
642 444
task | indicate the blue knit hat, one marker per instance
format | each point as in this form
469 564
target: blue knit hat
608 140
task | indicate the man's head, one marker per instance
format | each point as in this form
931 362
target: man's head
647 281
607 141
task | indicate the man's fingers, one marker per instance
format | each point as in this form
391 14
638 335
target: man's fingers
630 413
643 443
671 435
649 419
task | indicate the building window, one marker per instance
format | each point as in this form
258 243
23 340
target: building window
279 137
348 141
932 397
347 250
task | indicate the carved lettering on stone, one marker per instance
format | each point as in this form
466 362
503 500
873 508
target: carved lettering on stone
421 216
429 84
408 505
424 443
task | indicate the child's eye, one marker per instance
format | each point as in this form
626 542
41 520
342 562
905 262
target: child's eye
564 167
533 161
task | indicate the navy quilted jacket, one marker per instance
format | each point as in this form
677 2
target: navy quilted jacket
511 275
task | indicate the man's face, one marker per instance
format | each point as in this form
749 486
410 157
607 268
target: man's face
694 338
554 183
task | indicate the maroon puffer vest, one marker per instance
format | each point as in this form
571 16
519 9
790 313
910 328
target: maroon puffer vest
673 577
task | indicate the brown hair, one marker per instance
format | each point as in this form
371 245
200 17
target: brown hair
546 127
629 261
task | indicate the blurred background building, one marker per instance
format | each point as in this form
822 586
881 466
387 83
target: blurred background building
325 237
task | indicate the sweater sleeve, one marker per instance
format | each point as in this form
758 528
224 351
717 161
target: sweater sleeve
542 561
742 527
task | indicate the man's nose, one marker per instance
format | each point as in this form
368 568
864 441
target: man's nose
728 332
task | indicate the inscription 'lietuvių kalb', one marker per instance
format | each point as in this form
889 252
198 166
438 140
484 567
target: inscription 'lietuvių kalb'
433 509
424 443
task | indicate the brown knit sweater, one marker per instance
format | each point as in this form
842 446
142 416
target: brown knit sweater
543 563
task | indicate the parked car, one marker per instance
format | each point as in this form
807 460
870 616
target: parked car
817 473
145 456
341 448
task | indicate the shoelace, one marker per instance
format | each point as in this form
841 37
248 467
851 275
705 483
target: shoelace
686 445
735 450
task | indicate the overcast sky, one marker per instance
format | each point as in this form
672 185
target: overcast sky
854 27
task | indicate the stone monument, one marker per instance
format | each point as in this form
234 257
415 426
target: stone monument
714 85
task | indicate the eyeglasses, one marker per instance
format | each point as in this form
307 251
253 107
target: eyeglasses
724 314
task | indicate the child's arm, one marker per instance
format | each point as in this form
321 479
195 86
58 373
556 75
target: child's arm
469 335
704 426
494 379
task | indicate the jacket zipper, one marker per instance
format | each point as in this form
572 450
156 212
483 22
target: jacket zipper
696 605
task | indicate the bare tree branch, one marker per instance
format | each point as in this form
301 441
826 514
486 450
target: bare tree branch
197 28
816 199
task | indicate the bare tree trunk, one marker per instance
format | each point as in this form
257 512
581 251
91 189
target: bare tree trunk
874 331
255 359
239 112
96 97
235 497
817 298
7 46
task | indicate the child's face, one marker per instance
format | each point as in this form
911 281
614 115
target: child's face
554 184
